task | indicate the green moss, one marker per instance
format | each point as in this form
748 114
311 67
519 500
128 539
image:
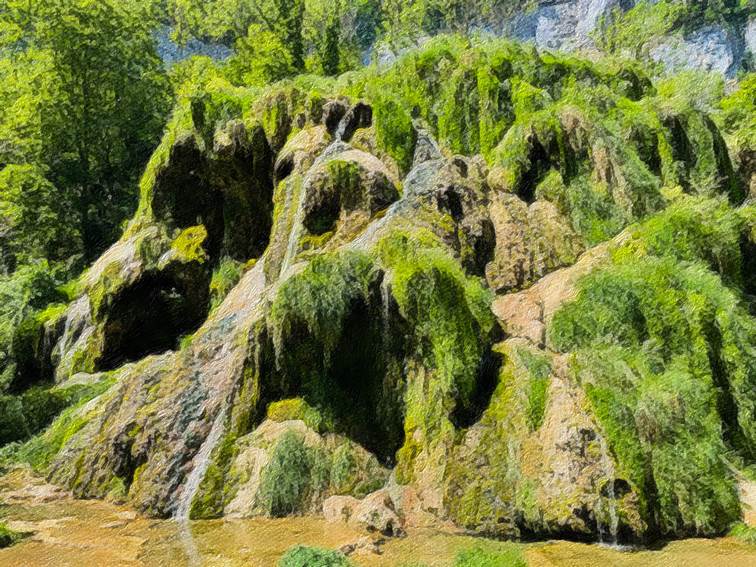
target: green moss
188 245
539 369
449 317
320 297
296 408
302 556
661 347
224 279
210 499
739 113
488 499
394 132
103 289
448 310
527 99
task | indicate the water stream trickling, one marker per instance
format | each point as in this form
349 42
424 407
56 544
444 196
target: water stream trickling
386 310
201 464
295 232
610 499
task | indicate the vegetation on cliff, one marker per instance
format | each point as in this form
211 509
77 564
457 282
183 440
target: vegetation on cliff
304 304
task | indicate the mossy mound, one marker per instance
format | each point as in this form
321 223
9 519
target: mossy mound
548 335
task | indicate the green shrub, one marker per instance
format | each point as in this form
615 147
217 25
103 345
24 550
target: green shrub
303 556
479 557
744 532
7 536
40 450
24 415
287 481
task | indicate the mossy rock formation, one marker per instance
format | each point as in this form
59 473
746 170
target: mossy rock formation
511 288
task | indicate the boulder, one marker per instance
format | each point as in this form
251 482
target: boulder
376 512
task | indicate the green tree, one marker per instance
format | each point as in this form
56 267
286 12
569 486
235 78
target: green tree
329 54
35 223
261 58
111 110
289 19
96 108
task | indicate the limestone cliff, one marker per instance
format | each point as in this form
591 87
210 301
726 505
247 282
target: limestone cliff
508 289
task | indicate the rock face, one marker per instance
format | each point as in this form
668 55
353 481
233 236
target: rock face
571 25
711 48
388 357
750 36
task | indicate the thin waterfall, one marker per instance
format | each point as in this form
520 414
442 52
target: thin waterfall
386 310
610 498
295 233
201 464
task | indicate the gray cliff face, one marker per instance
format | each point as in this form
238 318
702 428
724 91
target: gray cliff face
711 48
171 52
570 25
565 24
750 36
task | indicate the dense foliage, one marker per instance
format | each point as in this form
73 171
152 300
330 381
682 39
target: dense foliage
388 343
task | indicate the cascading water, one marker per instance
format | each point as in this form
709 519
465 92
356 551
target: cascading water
610 498
201 464
295 233
386 310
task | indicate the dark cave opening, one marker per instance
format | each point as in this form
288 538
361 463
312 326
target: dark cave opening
539 167
464 416
151 316
358 387
368 381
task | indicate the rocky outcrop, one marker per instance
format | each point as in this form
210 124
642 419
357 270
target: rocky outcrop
565 24
376 512
710 48
387 357
574 25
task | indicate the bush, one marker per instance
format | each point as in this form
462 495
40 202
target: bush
23 296
291 476
479 557
7 536
302 556
744 533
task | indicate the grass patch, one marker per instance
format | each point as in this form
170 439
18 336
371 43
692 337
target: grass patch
303 556
479 557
